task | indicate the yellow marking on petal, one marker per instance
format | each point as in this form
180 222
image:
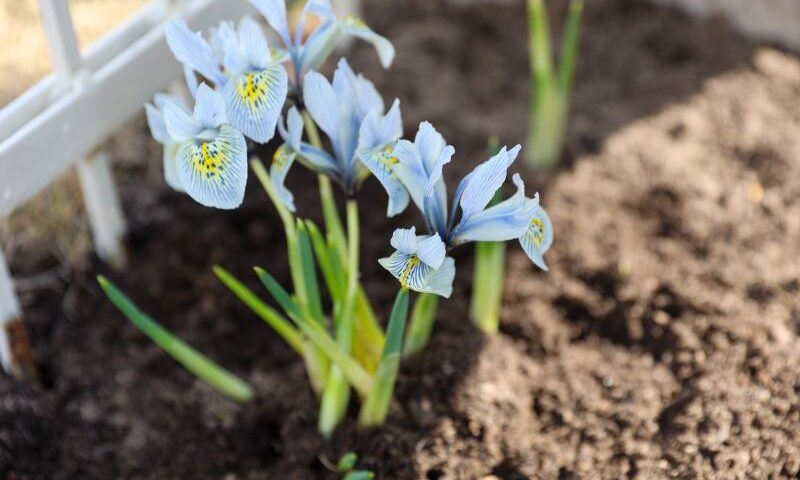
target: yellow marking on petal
537 233
253 89
412 262
387 158
207 159
356 21
279 158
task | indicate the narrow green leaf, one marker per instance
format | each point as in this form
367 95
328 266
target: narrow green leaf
376 404
316 363
221 379
541 59
333 278
309 274
277 322
279 293
355 373
569 47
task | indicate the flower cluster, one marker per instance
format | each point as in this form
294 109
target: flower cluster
250 87
243 89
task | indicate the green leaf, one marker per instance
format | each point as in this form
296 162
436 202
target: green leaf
268 314
355 373
221 379
376 404
309 274
359 475
569 47
333 278
347 462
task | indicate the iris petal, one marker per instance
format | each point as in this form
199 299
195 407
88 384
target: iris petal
484 181
507 220
416 275
214 172
404 240
275 13
538 238
190 49
170 161
356 27
155 120
281 163
381 162
254 101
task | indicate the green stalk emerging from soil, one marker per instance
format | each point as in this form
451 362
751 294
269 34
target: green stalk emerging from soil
303 278
550 91
369 335
337 391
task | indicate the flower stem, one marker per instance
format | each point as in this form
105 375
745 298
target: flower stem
487 285
423 317
550 89
369 335
316 361
337 392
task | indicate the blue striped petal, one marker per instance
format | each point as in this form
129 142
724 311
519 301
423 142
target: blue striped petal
507 220
320 100
355 26
190 49
155 120
538 238
170 162
319 46
404 240
254 101
381 163
214 172
281 163
376 146
416 275
180 125
482 183
275 13
209 107
431 250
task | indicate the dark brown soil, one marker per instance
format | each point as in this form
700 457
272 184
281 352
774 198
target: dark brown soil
663 343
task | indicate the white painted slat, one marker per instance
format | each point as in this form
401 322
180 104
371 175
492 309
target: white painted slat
73 125
9 313
103 206
61 39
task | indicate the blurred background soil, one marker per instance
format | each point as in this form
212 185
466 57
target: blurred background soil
663 343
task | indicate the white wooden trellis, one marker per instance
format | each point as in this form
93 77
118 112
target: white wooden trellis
59 122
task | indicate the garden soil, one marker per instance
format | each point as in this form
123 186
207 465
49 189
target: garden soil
663 342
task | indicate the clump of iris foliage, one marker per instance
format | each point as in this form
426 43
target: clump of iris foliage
244 89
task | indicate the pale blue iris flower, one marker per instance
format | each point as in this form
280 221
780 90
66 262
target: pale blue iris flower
251 79
309 55
419 169
351 114
155 120
211 157
420 263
